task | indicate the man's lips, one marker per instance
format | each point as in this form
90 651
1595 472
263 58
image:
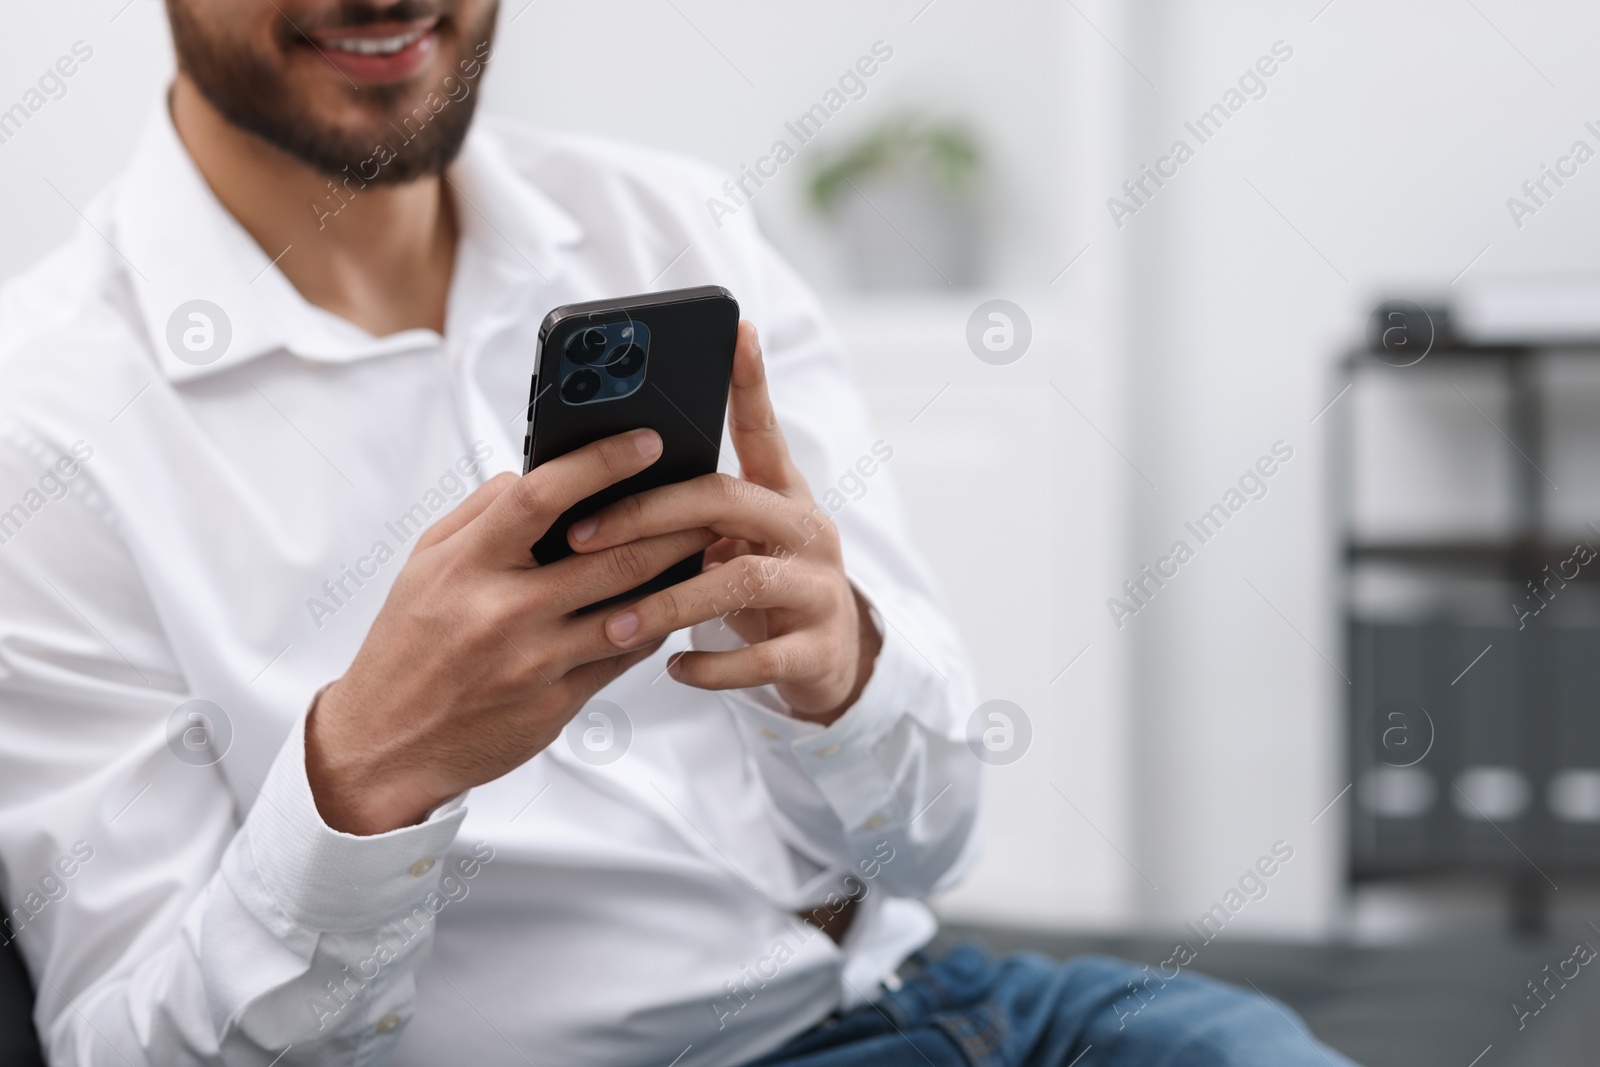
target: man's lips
379 52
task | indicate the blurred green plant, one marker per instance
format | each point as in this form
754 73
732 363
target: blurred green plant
943 151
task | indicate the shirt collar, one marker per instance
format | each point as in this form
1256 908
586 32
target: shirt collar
183 246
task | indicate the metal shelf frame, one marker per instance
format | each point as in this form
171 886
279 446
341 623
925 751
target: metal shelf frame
1515 706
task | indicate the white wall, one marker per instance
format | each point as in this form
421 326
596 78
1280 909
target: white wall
1018 500
78 142
1390 142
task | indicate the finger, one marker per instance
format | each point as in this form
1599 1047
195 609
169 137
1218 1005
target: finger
782 659
578 581
464 512
732 507
753 425
526 509
749 582
749 623
727 549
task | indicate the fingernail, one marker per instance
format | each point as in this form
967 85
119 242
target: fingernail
675 665
623 626
584 529
648 442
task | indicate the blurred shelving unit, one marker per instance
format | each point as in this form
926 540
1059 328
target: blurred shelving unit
1471 596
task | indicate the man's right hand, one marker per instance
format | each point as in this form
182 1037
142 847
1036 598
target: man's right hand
476 661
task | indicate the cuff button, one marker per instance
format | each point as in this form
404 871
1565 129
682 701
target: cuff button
421 867
826 752
388 1024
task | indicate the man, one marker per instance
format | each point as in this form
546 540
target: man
302 758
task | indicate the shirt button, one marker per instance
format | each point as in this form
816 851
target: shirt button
388 1023
874 822
768 734
826 752
422 867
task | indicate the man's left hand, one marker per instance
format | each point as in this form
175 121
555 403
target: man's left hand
776 576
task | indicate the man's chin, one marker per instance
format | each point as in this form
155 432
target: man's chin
409 136
389 102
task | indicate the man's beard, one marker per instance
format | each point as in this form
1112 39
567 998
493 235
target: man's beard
253 93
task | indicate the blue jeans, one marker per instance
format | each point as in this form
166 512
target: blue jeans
969 1010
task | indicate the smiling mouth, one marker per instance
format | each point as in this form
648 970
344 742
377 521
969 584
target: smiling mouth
376 46
379 53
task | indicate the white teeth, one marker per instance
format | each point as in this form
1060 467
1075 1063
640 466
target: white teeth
376 46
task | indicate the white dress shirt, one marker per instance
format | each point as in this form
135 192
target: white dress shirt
223 529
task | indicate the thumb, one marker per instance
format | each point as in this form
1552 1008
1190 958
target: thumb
753 425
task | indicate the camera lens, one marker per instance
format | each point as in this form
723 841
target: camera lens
587 346
626 361
580 387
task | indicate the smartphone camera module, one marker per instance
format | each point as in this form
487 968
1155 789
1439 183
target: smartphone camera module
588 347
620 350
627 361
581 386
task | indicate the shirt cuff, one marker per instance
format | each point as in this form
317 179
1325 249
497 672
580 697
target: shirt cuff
839 758
331 881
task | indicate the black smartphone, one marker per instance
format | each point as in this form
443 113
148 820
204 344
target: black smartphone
661 361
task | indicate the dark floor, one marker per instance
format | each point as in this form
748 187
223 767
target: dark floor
17 1044
1433 1005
